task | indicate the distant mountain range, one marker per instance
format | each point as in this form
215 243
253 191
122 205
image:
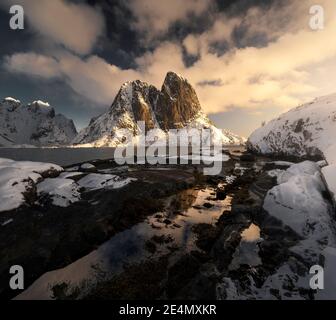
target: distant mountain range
175 106
35 124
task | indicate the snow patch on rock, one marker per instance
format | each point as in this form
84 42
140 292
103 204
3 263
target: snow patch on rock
96 181
18 179
63 192
298 202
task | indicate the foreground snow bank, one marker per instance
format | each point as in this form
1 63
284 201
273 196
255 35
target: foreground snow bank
24 182
299 203
18 180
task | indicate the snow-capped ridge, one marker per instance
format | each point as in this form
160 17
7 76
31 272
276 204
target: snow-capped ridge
12 100
41 103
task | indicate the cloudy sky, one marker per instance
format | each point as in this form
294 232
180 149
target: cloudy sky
249 60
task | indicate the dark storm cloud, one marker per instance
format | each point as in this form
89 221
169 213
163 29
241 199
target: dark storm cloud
220 46
120 44
12 41
239 7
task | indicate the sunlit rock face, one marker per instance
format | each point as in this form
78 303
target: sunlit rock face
176 106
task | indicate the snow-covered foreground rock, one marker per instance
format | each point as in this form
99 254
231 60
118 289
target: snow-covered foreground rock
32 183
33 125
175 106
298 202
18 181
306 131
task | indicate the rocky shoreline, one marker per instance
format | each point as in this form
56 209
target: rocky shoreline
232 246
44 238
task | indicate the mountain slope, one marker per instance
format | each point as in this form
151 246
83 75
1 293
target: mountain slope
35 124
308 130
176 106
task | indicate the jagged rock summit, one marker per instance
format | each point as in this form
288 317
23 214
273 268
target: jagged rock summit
35 124
175 106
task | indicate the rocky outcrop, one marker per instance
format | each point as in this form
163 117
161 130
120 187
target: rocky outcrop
306 131
177 104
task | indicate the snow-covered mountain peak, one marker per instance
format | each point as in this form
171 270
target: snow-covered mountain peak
41 107
175 106
173 77
11 100
41 104
10 103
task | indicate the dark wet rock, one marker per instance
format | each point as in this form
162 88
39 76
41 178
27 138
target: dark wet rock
30 194
50 173
221 194
248 157
272 166
208 205
226 245
150 247
173 248
201 287
141 281
183 271
213 180
237 171
206 236
163 239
